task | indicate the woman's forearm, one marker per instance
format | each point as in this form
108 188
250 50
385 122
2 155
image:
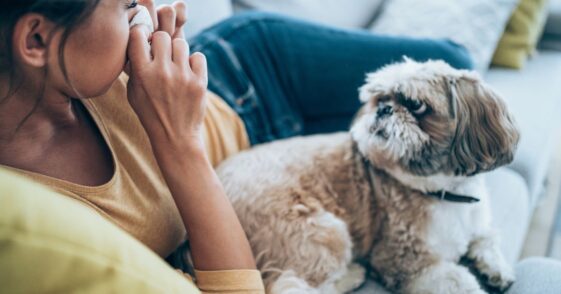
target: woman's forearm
217 239
167 90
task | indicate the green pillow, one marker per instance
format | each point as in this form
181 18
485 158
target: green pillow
50 243
521 35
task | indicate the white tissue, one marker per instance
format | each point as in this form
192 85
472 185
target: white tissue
142 18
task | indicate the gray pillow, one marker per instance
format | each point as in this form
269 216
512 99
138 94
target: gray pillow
203 13
341 13
476 24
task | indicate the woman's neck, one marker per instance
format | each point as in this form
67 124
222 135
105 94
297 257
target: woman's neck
33 112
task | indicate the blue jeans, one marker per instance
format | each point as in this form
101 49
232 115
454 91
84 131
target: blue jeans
287 77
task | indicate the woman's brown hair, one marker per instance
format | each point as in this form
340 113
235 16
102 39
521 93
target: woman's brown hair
65 14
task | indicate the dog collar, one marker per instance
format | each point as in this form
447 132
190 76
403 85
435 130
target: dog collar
449 196
442 194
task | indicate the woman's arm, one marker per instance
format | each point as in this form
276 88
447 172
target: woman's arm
167 89
217 239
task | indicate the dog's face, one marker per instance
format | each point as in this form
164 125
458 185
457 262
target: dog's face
428 118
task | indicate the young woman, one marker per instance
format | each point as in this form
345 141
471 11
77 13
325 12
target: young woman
140 153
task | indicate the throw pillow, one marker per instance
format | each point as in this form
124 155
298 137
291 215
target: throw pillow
522 33
340 13
203 13
475 24
553 23
50 243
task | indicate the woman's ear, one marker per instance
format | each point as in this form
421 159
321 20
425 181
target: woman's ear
30 40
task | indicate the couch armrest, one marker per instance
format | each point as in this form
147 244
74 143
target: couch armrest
537 275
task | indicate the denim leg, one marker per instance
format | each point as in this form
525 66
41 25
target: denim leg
288 77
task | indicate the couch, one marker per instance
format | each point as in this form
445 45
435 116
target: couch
50 243
533 94
54 243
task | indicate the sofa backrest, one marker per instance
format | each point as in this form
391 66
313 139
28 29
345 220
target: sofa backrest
340 13
203 13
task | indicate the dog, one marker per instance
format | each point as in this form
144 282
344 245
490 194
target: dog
401 193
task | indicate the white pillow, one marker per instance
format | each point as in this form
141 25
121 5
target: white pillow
341 13
476 24
203 13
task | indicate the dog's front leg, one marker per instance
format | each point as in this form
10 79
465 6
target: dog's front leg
443 277
423 273
490 262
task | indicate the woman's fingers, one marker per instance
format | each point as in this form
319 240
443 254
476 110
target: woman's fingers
151 6
180 52
181 18
139 48
199 67
166 19
161 46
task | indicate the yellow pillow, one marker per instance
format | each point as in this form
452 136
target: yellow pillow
53 244
521 35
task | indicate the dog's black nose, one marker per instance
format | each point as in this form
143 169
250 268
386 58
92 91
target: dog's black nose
384 110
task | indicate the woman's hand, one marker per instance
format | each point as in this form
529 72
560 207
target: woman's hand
167 91
167 18
167 87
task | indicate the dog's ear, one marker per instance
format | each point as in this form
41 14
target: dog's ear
486 135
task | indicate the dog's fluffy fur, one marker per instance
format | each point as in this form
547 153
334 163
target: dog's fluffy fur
312 207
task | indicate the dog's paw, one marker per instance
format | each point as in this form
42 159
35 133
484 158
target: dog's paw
354 278
491 264
445 278
499 277
289 283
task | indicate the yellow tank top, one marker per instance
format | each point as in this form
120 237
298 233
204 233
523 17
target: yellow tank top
137 198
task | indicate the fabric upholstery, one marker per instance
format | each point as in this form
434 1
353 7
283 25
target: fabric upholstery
476 24
534 97
339 13
537 276
510 210
204 13
553 23
522 33
54 244
551 38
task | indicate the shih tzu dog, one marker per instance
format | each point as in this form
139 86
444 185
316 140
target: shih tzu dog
401 193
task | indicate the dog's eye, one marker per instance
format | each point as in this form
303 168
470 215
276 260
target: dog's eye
416 106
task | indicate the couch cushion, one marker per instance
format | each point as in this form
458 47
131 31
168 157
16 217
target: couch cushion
476 24
534 97
537 275
552 32
51 243
510 209
553 24
340 13
522 33
204 13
